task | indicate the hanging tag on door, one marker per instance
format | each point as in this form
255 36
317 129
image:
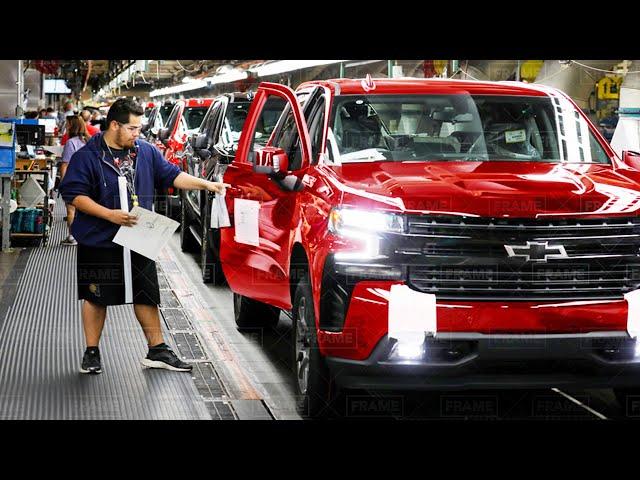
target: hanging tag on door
245 216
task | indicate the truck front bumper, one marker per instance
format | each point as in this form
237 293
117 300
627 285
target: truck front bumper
480 361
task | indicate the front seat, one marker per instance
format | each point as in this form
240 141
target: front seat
359 130
510 140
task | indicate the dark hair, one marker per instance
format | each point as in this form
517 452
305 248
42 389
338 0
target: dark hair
121 109
50 109
77 128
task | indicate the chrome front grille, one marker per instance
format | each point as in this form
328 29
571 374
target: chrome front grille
466 258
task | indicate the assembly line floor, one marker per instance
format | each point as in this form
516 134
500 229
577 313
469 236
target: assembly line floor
41 347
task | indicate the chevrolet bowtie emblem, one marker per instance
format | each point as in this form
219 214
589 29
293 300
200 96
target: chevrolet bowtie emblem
536 251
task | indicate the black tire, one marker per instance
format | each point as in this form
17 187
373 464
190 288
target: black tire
175 211
187 242
322 398
250 314
210 265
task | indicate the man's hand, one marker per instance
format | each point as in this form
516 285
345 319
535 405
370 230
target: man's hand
217 187
120 217
185 181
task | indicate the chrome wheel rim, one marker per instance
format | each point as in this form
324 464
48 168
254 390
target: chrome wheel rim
303 347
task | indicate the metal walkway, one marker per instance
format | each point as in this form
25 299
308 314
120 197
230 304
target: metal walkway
41 347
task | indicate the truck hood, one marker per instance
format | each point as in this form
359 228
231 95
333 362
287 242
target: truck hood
494 189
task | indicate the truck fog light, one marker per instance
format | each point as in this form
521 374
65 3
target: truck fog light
410 350
410 347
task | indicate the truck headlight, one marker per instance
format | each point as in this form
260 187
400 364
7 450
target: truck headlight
363 226
343 221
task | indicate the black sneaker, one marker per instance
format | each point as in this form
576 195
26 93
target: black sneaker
91 361
161 356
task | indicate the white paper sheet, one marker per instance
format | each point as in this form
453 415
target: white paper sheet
219 213
411 312
149 235
126 253
633 315
31 193
55 149
245 216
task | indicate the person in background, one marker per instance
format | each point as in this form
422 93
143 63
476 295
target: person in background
86 116
78 137
31 115
43 113
66 112
608 127
91 130
97 119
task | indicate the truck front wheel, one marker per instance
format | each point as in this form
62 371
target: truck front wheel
316 392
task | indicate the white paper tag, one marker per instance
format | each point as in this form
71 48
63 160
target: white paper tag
214 214
219 213
411 312
126 253
245 217
633 315
149 235
515 136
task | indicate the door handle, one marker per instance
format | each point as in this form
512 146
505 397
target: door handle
233 192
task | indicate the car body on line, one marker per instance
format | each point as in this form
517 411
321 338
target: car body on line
183 120
436 234
207 153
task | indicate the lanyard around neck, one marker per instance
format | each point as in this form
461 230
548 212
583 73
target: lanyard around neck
129 174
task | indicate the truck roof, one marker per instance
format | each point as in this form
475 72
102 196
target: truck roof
198 102
344 86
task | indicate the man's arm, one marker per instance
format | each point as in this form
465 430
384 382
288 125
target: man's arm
90 207
185 181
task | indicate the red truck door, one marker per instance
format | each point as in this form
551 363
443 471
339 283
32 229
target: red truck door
269 177
172 131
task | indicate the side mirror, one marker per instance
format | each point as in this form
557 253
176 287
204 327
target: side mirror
631 159
163 133
271 160
200 141
203 153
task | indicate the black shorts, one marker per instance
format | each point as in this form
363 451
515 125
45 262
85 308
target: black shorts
100 274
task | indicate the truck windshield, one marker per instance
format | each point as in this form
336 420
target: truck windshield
460 127
194 116
165 111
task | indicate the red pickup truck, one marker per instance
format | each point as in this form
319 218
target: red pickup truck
436 234
185 118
